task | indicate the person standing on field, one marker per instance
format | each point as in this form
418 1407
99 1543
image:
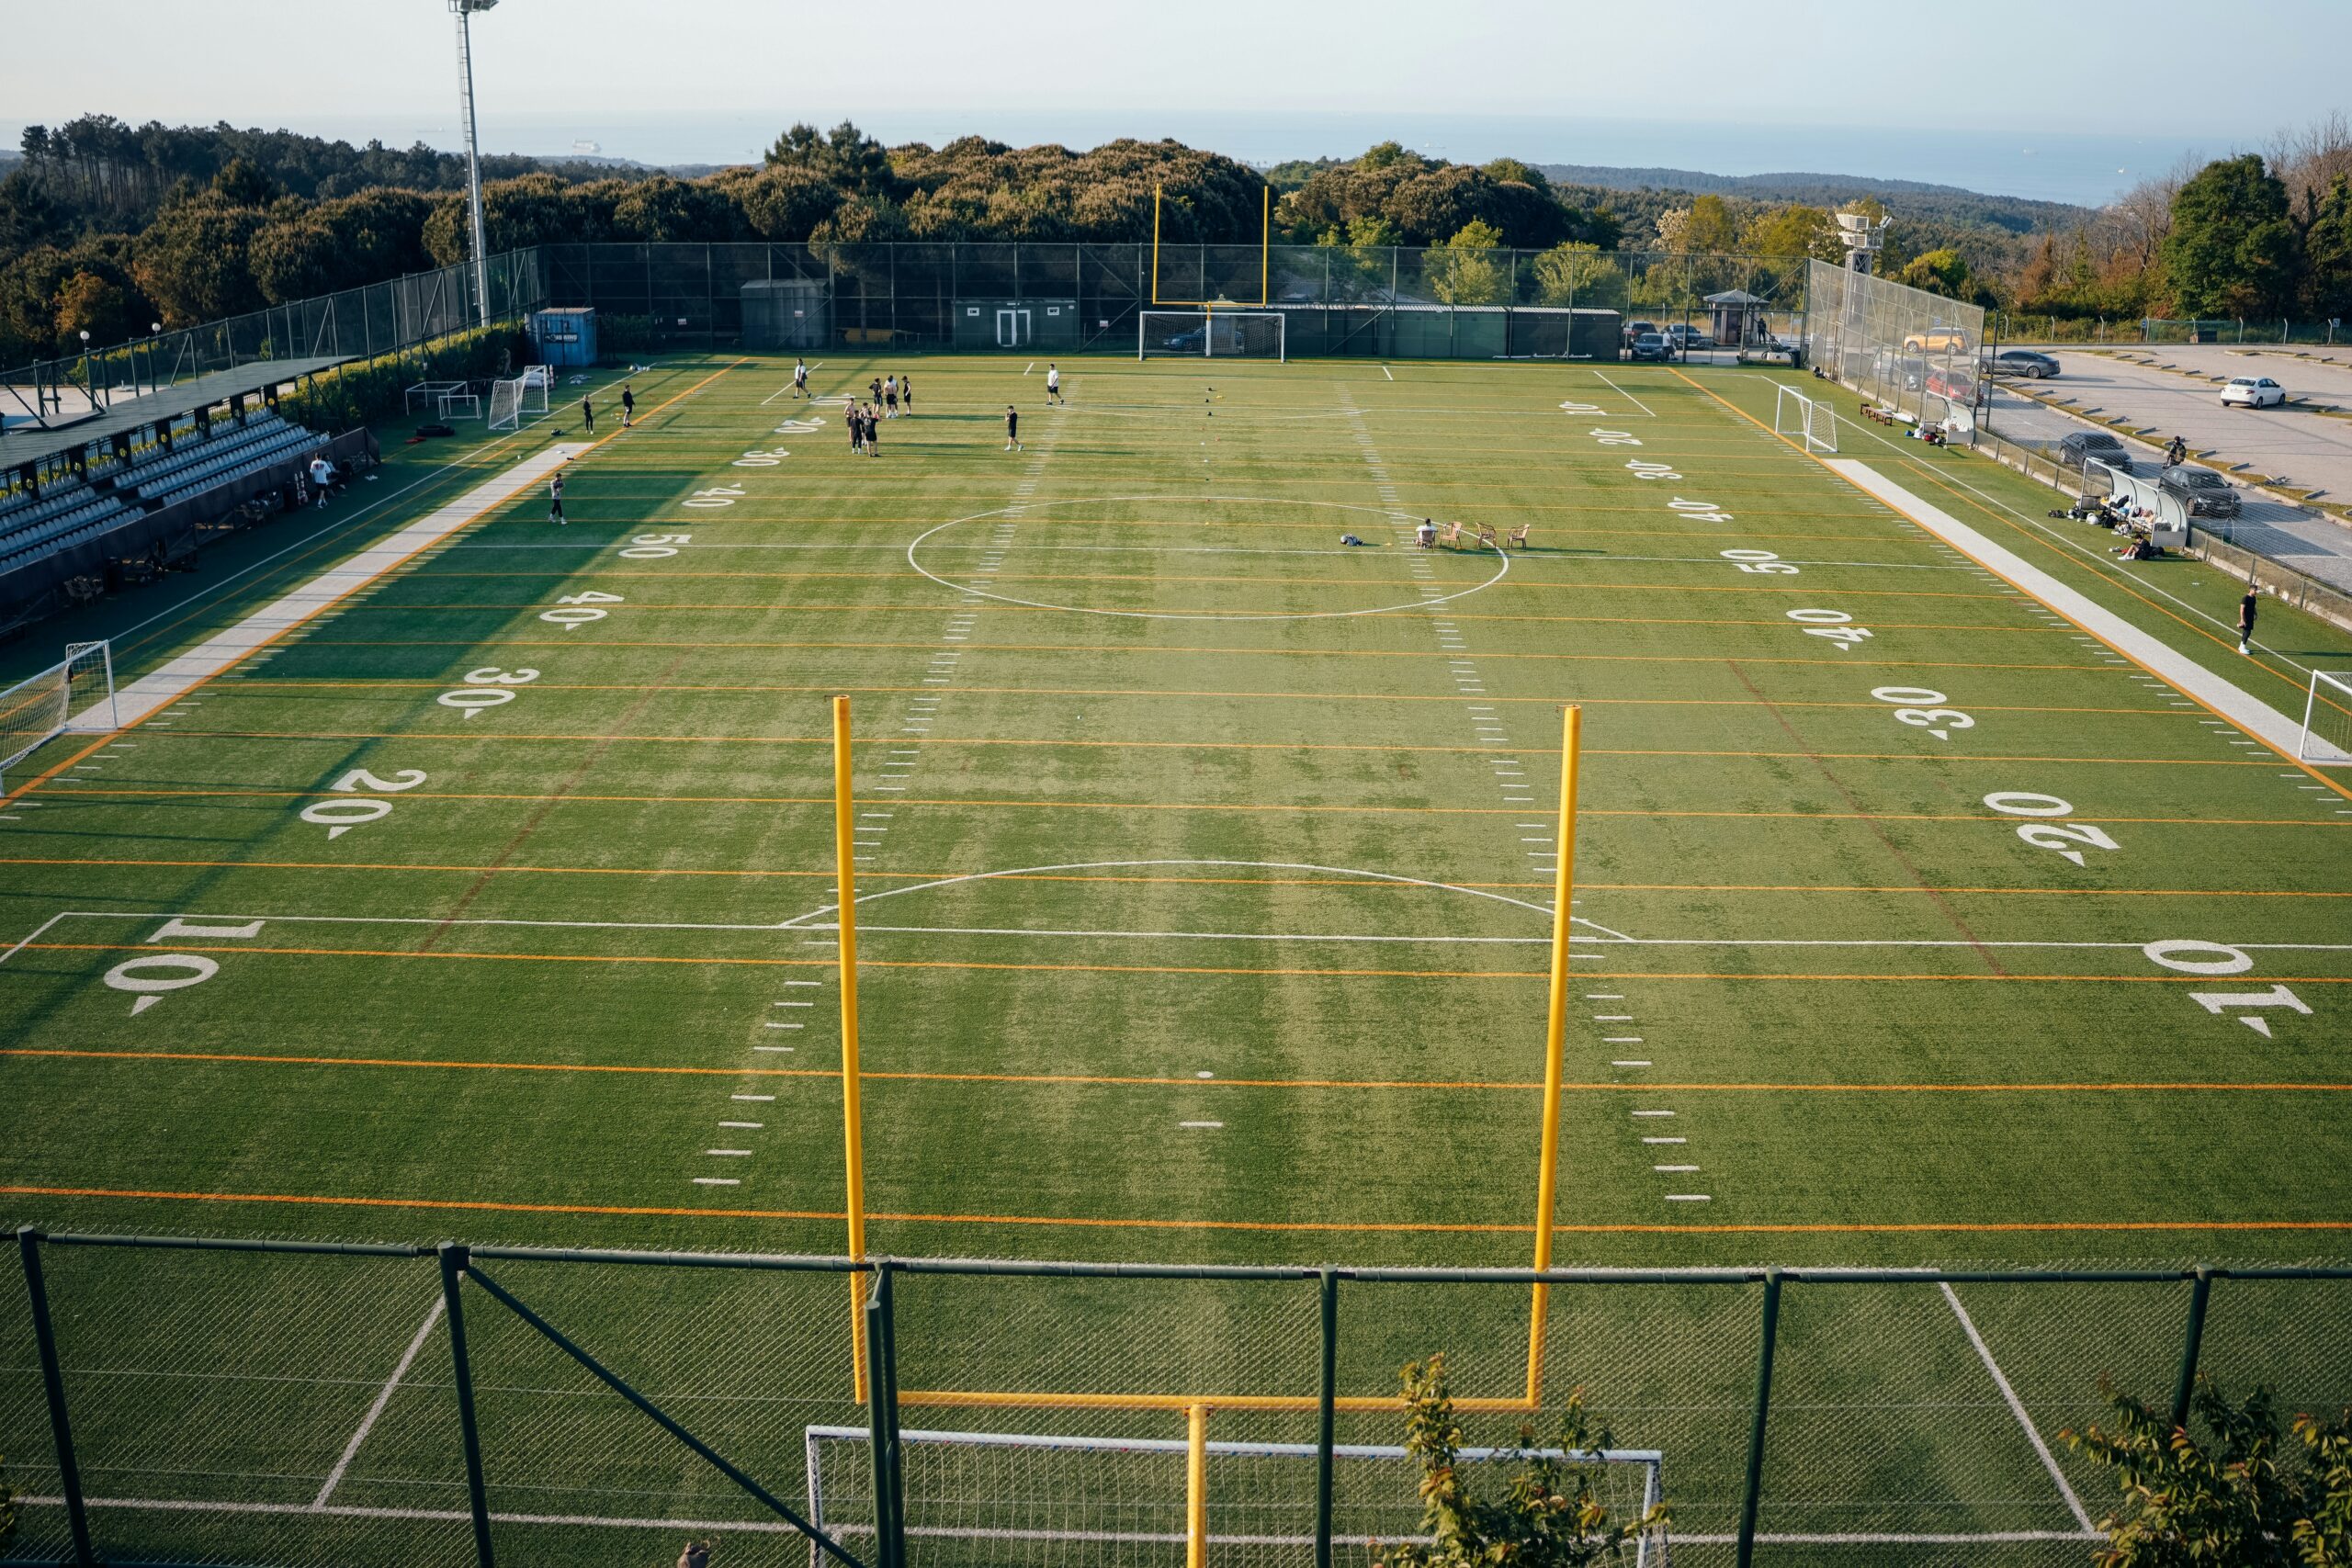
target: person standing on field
629 406
799 378
2246 608
906 392
555 500
1012 428
1054 383
588 414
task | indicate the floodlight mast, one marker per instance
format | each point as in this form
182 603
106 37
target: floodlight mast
464 10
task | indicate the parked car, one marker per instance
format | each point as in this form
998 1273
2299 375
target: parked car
1635 329
1686 337
2253 392
2096 446
1946 342
1960 389
2030 363
1652 345
2203 492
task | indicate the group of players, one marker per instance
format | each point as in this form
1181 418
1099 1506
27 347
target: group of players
885 394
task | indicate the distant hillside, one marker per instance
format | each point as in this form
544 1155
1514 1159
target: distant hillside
1904 199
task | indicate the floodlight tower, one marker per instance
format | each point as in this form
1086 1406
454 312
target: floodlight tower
1862 235
464 10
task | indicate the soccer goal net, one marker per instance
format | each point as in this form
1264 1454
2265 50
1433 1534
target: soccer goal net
2327 719
1805 419
1211 334
506 405
1023 1499
536 380
76 693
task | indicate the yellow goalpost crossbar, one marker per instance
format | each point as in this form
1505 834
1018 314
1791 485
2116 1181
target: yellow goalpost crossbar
1265 258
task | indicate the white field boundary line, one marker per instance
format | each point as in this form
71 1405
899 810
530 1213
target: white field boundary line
383 1398
774 1526
173 680
2017 1408
804 922
2258 719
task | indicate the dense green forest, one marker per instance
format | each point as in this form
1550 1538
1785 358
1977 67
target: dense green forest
107 227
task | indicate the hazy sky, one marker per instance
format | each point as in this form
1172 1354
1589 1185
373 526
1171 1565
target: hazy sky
710 79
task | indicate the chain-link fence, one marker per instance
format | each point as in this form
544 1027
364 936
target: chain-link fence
1917 355
358 323
178 1400
1365 300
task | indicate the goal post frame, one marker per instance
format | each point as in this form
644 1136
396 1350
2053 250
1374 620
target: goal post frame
1812 414
2330 753
505 405
1210 317
46 700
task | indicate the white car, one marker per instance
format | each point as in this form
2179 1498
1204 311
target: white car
2253 392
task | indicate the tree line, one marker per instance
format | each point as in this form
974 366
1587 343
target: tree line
108 228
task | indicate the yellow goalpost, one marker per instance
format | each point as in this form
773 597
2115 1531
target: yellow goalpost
1265 258
1196 1406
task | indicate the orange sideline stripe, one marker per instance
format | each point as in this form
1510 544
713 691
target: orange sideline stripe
1370 1227
1092 1080
1213 881
1134 968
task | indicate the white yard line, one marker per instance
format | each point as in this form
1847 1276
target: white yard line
172 680
2017 1408
2185 674
383 1398
1628 396
34 935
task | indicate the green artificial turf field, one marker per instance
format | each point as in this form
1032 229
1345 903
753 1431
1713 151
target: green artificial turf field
1204 867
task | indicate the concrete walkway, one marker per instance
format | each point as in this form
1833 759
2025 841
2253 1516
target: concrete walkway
2250 714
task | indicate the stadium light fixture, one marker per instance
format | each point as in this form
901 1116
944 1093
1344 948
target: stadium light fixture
464 10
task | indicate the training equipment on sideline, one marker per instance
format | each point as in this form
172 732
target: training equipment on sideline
1006 1495
2327 719
1813 422
1213 334
506 405
75 695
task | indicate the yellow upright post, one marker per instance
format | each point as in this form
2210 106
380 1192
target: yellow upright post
1554 1043
852 1112
1155 245
1196 1486
1265 244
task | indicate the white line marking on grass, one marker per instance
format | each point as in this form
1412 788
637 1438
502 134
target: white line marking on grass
1628 396
1682 1169
1653 1112
2017 1408
1666 1140
1200 1123
744 1126
383 1398
36 931
1688 1198
716 1181
761 1097
730 1153
1387 372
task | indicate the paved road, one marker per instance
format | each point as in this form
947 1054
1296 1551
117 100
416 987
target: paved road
2311 449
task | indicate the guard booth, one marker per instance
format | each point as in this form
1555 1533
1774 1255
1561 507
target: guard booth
785 312
1738 318
566 336
1045 325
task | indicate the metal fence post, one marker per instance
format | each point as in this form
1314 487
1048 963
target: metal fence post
881 1413
1763 1408
453 1265
2185 1385
1327 1402
60 1429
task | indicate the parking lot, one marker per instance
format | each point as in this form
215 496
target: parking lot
2311 449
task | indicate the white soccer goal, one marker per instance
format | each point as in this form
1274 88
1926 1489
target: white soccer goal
536 380
1024 1498
73 695
506 405
2327 720
1806 419
1211 335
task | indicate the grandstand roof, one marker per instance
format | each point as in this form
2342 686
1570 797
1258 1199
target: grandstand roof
30 443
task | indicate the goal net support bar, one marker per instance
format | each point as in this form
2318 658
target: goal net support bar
507 405
1020 1497
1210 334
75 695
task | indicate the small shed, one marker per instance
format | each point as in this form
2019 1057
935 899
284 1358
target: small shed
566 336
1738 317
